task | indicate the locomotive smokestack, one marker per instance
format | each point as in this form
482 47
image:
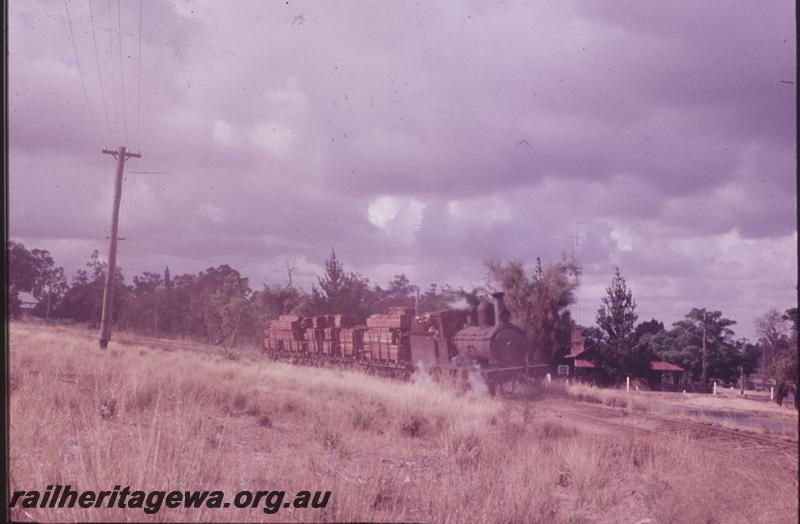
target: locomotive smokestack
499 307
485 314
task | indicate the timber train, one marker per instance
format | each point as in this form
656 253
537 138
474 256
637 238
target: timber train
481 340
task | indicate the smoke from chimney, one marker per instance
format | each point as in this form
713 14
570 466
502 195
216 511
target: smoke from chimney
499 307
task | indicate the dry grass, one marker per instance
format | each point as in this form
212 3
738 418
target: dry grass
607 397
388 451
724 411
731 399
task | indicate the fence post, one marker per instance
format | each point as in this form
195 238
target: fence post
771 393
627 384
715 387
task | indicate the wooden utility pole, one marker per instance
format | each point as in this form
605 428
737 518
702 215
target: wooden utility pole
108 290
47 313
704 379
741 379
49 294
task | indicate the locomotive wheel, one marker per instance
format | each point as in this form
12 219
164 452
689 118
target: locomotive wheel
527 387
508 387
502 389
492 389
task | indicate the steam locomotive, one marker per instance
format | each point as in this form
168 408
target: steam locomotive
481 341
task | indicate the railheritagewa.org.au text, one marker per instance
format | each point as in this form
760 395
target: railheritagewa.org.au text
58 496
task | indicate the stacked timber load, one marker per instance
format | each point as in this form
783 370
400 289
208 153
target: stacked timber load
314 338
330 340
342 321
405 312
397 318
315 334
287 333
385 338
351 340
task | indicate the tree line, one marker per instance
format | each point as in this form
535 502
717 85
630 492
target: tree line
218 306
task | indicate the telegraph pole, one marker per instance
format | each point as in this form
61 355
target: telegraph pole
121 155
741 379
49 294
705 356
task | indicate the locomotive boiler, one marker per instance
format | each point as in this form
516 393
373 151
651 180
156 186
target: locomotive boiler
492 340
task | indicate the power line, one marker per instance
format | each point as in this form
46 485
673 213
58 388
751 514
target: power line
159 252
80 73
111 62
139 85
121 70
99 73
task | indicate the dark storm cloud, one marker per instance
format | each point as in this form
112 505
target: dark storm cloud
418 138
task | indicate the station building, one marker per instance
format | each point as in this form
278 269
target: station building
580 364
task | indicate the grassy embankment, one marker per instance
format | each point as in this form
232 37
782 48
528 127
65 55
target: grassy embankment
388 451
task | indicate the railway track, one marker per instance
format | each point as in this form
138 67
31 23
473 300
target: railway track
170 345
129 339
711 437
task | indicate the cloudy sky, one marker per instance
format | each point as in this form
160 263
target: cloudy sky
418 137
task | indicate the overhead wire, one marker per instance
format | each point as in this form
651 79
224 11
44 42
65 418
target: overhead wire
111 62
217 262
100 74
139 86
121 70
80 73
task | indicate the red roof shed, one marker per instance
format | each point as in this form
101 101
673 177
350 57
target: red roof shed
659 365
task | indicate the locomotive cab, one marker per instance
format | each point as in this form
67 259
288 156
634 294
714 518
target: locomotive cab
431 338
